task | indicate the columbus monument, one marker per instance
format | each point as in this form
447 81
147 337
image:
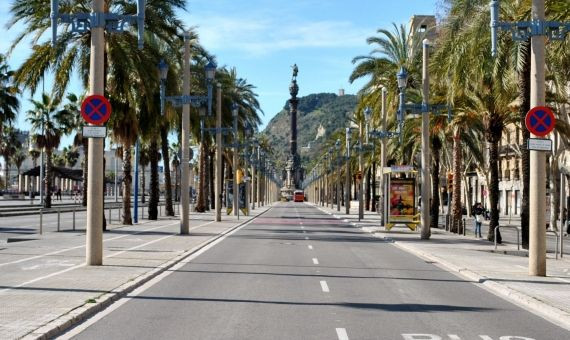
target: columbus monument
293 172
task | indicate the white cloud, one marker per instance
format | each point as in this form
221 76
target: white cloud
260 37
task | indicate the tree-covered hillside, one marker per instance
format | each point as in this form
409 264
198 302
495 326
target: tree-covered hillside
318 116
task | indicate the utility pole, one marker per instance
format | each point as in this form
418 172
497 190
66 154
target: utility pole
425 228
537 231
347 179
219 179
94 228
184 162
383 160
235 167
360 174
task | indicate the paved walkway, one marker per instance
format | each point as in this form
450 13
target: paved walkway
45 286
503 272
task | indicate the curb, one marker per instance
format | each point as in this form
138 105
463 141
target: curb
78 315
552 314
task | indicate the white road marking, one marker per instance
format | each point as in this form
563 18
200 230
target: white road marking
315 260
83 246
306 237
83 264
561 279
324 286
522 267
304 231
341 333
310 247
302 227
202 249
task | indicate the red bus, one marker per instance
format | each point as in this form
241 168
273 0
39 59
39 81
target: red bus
298 196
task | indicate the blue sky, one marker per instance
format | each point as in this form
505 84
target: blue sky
263 38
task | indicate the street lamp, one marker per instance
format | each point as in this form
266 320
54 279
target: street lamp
347 178
337 148
367 116
235 111
185 100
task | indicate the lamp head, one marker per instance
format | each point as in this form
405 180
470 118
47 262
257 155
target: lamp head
210 70
235 110
337 144
402 78
367 114
162 69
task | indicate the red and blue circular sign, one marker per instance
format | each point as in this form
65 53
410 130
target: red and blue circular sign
96 109
540 121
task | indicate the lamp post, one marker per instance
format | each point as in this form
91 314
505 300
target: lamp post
347 178
360 174
185 100
337 182
538 29
235 111
383 159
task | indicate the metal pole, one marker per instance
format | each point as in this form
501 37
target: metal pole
360 173
58 219
42 174
74 219
347 179
563 216
426 195
116 182
219 180
537 230
253 182
382 158
94 228
110 216
41 221
185 170
258 179
136 197
236 187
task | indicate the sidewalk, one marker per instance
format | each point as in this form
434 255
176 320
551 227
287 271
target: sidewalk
46 288
503 272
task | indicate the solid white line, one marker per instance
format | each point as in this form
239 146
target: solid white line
561 279
315 260
324 286
341 333
310 247
83 245
77 330
83 264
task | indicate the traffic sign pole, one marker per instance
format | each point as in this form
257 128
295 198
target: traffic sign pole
537 220
94 227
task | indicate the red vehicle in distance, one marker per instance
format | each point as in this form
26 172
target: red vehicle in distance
298 196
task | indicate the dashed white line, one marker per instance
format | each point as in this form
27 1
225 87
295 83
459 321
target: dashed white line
306 237
341 333
324 286
310 247
315 260
304 231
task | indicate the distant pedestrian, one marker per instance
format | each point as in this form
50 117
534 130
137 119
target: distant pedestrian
58 194
478 214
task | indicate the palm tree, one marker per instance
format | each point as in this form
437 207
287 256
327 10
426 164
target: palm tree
175 162
18 159
7 149
9 103
143 163
48 125
70 156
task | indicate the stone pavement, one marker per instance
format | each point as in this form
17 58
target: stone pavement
45 286
503 272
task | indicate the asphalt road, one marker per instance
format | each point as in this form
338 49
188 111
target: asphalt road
297 273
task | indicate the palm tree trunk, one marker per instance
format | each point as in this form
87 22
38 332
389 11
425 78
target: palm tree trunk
211 181
373 186
434 208
85 173
524 94
201 204
47 179
456 225
494 186
127 182
167 179
154 186
368 183
6 172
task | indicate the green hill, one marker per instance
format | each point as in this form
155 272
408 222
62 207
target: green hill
318 116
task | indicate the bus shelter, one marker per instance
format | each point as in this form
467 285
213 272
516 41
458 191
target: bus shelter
401 193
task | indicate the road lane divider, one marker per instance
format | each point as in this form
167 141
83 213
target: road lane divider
341 334
325 287
315 260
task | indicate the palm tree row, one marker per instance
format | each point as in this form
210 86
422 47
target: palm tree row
132 86
489 95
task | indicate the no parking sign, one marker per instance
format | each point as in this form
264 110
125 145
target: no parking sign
96 109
